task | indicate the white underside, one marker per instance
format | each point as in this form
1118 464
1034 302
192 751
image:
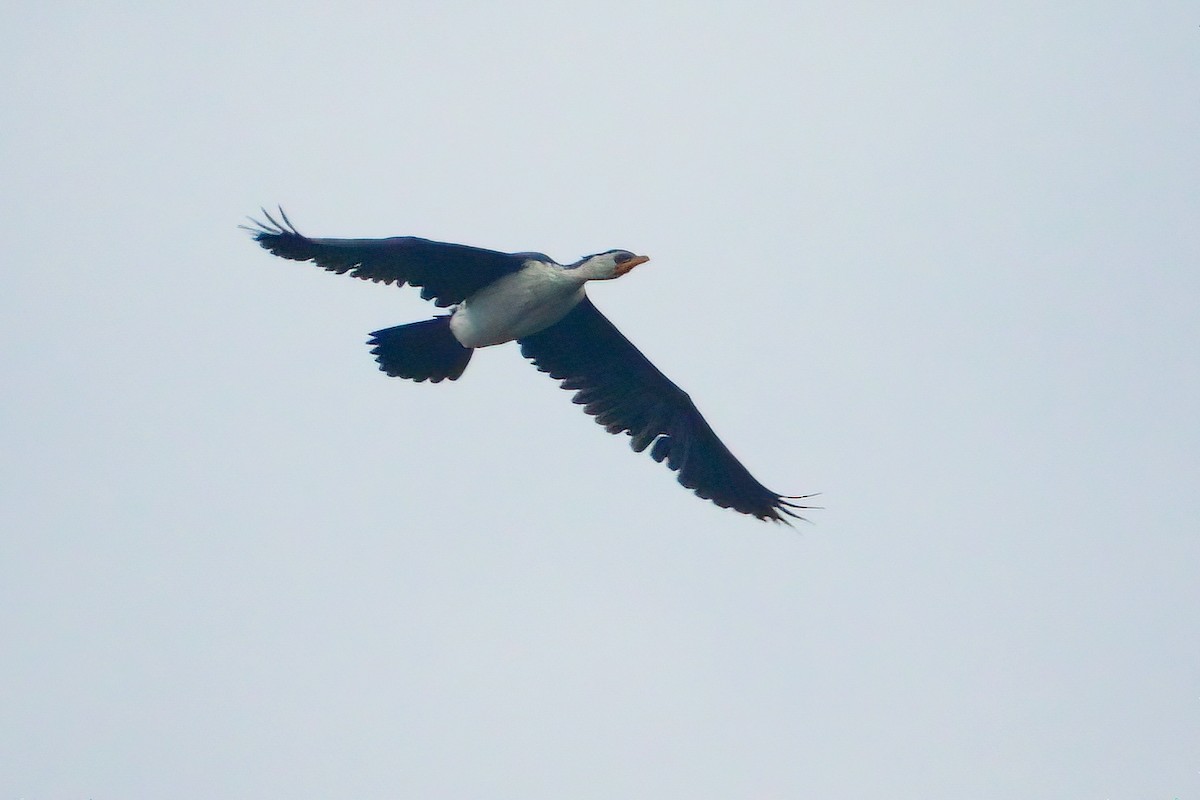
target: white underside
517 305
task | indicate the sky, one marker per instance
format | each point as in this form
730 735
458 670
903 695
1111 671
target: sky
939 263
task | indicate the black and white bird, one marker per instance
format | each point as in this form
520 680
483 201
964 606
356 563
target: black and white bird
543 306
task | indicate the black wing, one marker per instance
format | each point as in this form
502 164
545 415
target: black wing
619 386
446 273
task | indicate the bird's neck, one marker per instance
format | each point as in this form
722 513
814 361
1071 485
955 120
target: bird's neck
596 268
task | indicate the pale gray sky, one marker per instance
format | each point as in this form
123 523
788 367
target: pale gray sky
939 263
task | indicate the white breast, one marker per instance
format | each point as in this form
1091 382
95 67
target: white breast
517 305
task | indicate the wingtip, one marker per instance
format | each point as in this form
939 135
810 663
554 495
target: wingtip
272 227
782 506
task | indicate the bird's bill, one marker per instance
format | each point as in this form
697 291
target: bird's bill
630 264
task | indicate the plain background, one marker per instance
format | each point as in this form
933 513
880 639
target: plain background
938 262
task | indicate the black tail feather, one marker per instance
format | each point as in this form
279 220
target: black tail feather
420 351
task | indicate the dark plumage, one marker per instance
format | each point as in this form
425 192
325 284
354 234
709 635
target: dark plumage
619 386
541 304
445 273
420 351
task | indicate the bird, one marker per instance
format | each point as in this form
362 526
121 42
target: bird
496 297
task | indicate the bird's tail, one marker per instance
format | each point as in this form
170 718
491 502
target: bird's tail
420 351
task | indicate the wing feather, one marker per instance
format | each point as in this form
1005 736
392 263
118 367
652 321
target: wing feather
445 273
625 393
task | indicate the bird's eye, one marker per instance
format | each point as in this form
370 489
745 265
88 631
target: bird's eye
621 258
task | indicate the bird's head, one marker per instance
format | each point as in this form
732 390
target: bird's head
608 265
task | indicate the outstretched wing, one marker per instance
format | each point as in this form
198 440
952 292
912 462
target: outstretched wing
619 386
446 273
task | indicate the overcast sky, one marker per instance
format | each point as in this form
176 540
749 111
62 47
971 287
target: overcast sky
940 264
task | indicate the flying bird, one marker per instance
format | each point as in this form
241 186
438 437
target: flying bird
542 305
